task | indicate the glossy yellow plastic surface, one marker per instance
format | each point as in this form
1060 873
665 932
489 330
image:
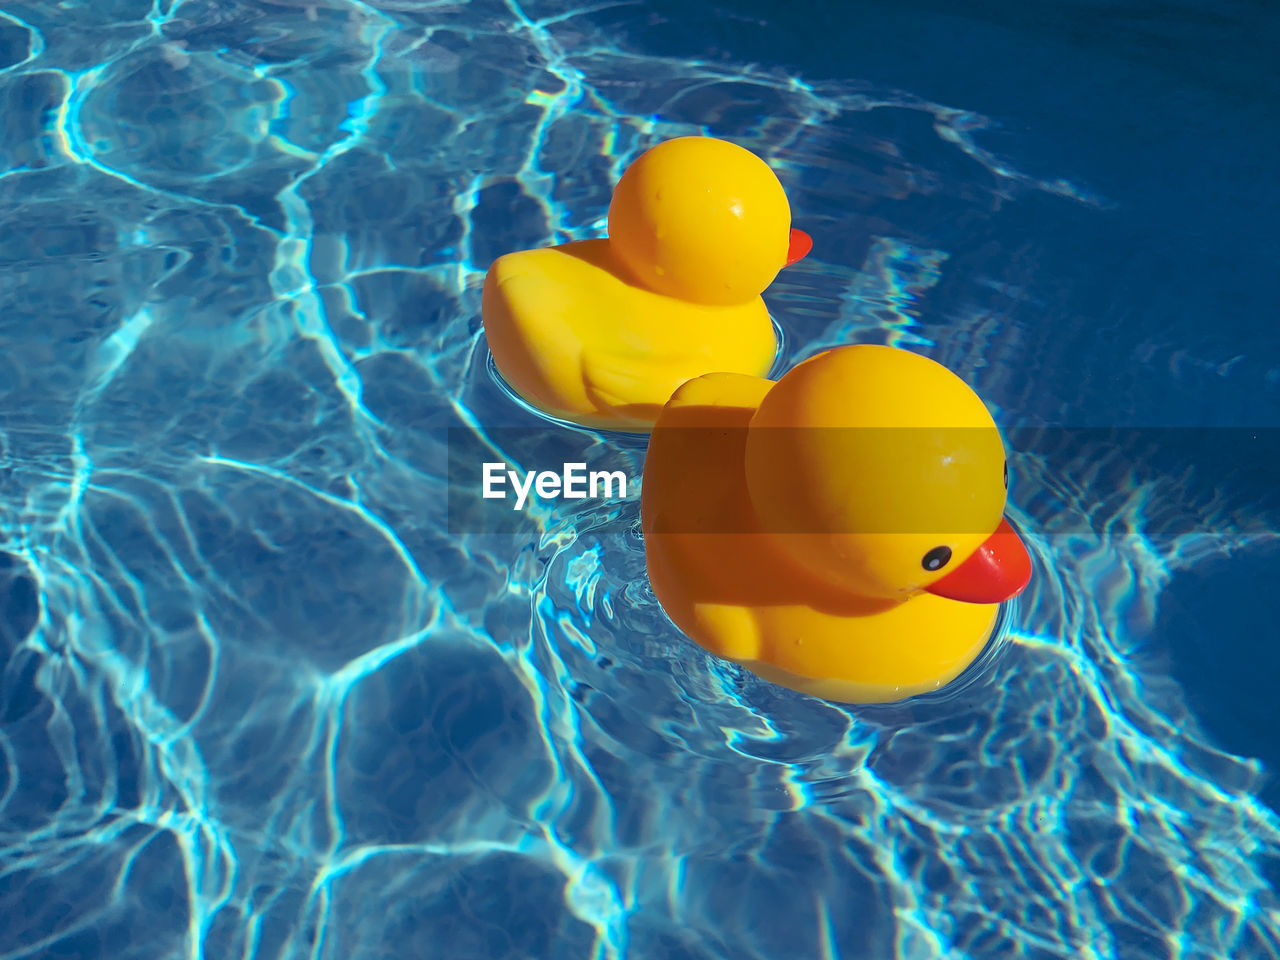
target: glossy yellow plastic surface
602 332
755 502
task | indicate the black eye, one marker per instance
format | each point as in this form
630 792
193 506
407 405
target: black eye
937 558
1006 474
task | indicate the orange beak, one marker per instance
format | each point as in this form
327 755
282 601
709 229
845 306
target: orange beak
998 570
801 243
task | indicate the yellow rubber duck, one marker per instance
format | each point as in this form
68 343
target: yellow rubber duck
602 332
840 531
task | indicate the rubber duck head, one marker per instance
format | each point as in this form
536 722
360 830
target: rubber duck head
881 473
703 220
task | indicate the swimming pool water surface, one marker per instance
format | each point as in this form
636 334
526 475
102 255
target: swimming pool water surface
264 694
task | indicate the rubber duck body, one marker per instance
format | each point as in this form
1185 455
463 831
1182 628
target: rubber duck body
839 532
602 332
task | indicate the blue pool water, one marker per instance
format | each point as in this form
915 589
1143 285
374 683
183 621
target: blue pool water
261 697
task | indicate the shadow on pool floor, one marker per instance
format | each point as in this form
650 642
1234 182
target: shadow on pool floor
19 611
1217 625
